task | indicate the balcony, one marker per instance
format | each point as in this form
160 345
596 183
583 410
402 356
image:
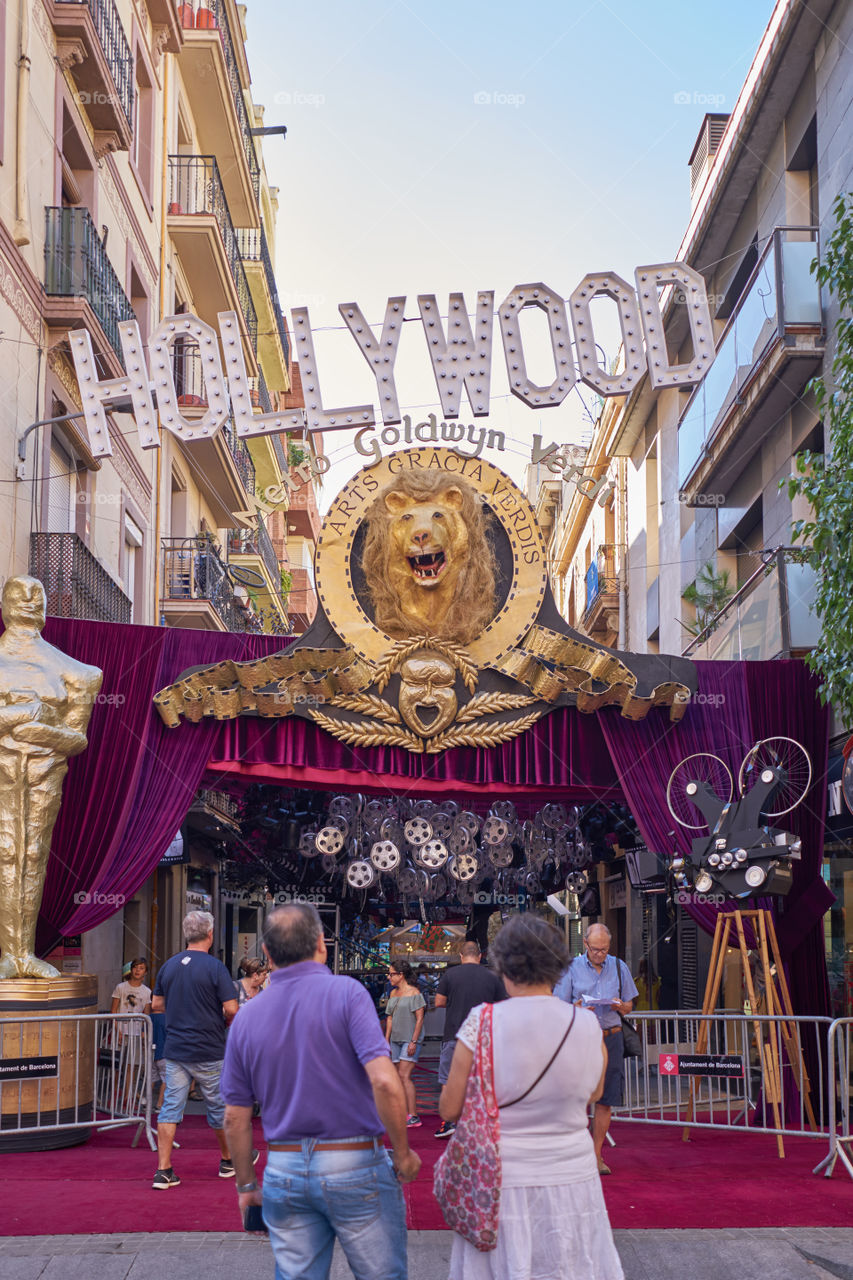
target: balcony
75 583
210 69
81 284
601 615
252 549
772 345
303 516
92 45
198 591
769 617
199 222
302 601
274 347
259 393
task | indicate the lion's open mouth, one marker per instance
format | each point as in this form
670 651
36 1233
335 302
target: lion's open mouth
428 567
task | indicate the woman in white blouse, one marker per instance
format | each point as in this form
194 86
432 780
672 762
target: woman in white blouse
553 1221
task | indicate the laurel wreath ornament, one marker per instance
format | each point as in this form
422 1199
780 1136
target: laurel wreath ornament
402 649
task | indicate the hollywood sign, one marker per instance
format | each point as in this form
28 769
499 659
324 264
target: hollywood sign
460 355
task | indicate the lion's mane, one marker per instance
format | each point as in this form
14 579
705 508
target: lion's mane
473 604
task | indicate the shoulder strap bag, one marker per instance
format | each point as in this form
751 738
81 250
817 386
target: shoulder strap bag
632 1044
467 1177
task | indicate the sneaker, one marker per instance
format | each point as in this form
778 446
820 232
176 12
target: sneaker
226 1167
413 1122
165 1178
445 1131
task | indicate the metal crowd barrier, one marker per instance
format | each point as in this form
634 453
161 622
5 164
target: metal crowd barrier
780 1072
75 1071
840 1089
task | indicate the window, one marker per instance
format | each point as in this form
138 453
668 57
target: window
133 538
142 146
61 491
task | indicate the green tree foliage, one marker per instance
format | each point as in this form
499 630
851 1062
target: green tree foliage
708 594
825 538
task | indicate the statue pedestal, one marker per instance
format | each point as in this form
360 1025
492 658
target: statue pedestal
47 1067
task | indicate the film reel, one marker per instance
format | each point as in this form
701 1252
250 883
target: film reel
360 874
329 840
385 856
433 854
418 831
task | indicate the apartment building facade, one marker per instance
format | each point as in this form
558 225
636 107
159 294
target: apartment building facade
133 185
698 496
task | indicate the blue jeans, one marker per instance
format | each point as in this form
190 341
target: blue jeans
179 1078
313 1195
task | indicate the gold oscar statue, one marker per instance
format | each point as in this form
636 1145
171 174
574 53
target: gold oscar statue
46 699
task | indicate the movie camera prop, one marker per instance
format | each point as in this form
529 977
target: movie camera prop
743 852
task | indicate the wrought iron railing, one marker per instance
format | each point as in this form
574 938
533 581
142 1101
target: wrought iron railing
254 248
76 265
256 542
601 576
193 570
259 393
195 187
209 15
242 458
75 583
107 22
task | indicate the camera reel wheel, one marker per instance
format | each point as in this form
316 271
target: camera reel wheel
554 816
501 855
329 840
577 881
329 863
459 841
407 882
433 854
423 809
343 807
307 846
463 867
773 753
340 824
385 856
701 767
438 885
360 874
495 830
442 825
418 831
505 810
470 822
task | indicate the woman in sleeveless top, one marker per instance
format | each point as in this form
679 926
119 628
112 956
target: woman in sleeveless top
553 1221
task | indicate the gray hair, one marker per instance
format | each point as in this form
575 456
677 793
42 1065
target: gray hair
197 925
292 933
596 925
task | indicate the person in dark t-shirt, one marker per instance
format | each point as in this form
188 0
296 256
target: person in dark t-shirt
459 991
196 993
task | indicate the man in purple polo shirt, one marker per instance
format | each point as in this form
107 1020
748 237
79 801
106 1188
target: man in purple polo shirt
311 1051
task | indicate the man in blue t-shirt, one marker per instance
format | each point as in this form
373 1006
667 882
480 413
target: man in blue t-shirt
196 993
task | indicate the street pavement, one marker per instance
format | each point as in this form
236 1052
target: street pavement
797 1253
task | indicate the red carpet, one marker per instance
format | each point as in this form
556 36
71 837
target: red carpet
715 1180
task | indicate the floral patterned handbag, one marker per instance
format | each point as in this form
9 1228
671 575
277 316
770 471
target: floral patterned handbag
467 1177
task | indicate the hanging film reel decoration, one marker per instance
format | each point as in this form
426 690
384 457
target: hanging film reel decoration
385 856
360 874
329 840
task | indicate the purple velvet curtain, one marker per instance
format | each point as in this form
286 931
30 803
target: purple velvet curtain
126 796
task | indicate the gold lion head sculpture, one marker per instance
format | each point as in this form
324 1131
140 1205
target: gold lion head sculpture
429 567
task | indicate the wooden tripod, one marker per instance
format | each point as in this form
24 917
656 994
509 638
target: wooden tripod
778 998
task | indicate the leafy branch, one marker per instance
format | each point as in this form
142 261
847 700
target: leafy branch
826 482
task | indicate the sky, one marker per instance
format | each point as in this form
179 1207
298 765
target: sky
478 145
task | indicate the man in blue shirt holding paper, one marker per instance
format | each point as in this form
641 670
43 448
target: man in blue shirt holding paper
601 982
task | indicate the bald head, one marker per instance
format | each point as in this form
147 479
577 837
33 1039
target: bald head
293 934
